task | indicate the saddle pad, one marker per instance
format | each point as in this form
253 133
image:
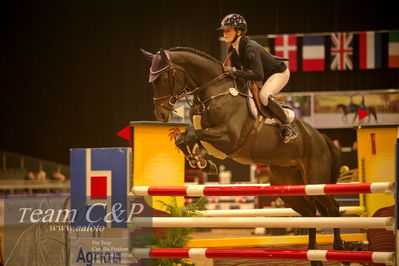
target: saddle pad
253 110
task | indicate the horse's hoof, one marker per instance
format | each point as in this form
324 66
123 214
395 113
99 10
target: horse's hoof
211 168
201 164
192 163
316 263
340 245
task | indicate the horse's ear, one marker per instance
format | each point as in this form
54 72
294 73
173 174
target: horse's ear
147 55
164 56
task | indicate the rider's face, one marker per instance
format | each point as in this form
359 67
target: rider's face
229 34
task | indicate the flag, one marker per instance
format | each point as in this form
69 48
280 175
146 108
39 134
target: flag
393 49
313 53
285 46
370 50
125 134
341 51
362 113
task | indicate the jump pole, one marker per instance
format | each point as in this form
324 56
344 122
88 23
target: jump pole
263 190
270 212
281 254
271 241
269 222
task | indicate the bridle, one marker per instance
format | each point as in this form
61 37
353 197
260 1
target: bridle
175 95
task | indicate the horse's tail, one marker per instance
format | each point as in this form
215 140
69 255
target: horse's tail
336 159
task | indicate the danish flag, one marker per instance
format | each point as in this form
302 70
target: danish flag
341 51
285 46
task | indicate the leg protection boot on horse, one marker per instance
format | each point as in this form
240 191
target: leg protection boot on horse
287 131
192 152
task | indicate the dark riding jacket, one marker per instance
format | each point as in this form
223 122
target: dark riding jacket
253 62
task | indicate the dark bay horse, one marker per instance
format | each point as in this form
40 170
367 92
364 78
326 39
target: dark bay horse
348 109
225 123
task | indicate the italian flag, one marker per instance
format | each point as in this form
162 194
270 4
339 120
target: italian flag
393 49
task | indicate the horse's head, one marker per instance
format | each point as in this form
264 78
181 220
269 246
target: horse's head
341 106
168 81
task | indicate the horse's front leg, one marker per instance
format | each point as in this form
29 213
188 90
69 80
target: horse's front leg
220 135
191 148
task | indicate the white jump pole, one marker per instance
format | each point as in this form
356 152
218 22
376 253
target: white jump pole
268 222
270 212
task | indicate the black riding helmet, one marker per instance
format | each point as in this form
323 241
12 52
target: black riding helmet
235 21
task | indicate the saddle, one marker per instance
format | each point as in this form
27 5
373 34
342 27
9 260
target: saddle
282 113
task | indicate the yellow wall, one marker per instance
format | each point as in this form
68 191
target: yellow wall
156 159
377 166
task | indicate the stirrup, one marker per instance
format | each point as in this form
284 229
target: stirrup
290 135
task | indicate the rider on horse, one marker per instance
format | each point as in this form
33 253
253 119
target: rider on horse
250 61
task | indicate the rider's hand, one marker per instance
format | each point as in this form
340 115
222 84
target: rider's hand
229 70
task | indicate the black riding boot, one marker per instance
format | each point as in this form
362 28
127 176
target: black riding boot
287 131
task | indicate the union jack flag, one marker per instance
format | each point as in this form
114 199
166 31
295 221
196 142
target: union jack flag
341 51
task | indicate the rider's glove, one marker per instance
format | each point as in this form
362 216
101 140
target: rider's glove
230 71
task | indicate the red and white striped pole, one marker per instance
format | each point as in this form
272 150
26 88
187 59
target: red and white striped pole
263 190
281 254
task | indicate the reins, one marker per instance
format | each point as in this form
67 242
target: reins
184 93
174 97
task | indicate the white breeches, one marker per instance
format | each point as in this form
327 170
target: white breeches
273 85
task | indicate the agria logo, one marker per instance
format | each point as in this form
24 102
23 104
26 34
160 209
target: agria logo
99 186
95 257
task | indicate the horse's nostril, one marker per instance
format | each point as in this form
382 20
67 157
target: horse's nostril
163 117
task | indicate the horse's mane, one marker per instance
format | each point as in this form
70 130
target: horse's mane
197 52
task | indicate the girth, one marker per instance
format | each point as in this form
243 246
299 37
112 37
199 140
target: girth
243 154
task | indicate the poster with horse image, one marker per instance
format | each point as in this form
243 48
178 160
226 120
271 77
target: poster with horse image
332 109
342 109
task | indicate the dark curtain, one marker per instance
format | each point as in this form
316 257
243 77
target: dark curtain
72 74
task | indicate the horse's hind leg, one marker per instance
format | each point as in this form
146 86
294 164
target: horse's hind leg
328 207
305 208
302 205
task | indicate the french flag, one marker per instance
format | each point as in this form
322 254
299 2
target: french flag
370 50
313 54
